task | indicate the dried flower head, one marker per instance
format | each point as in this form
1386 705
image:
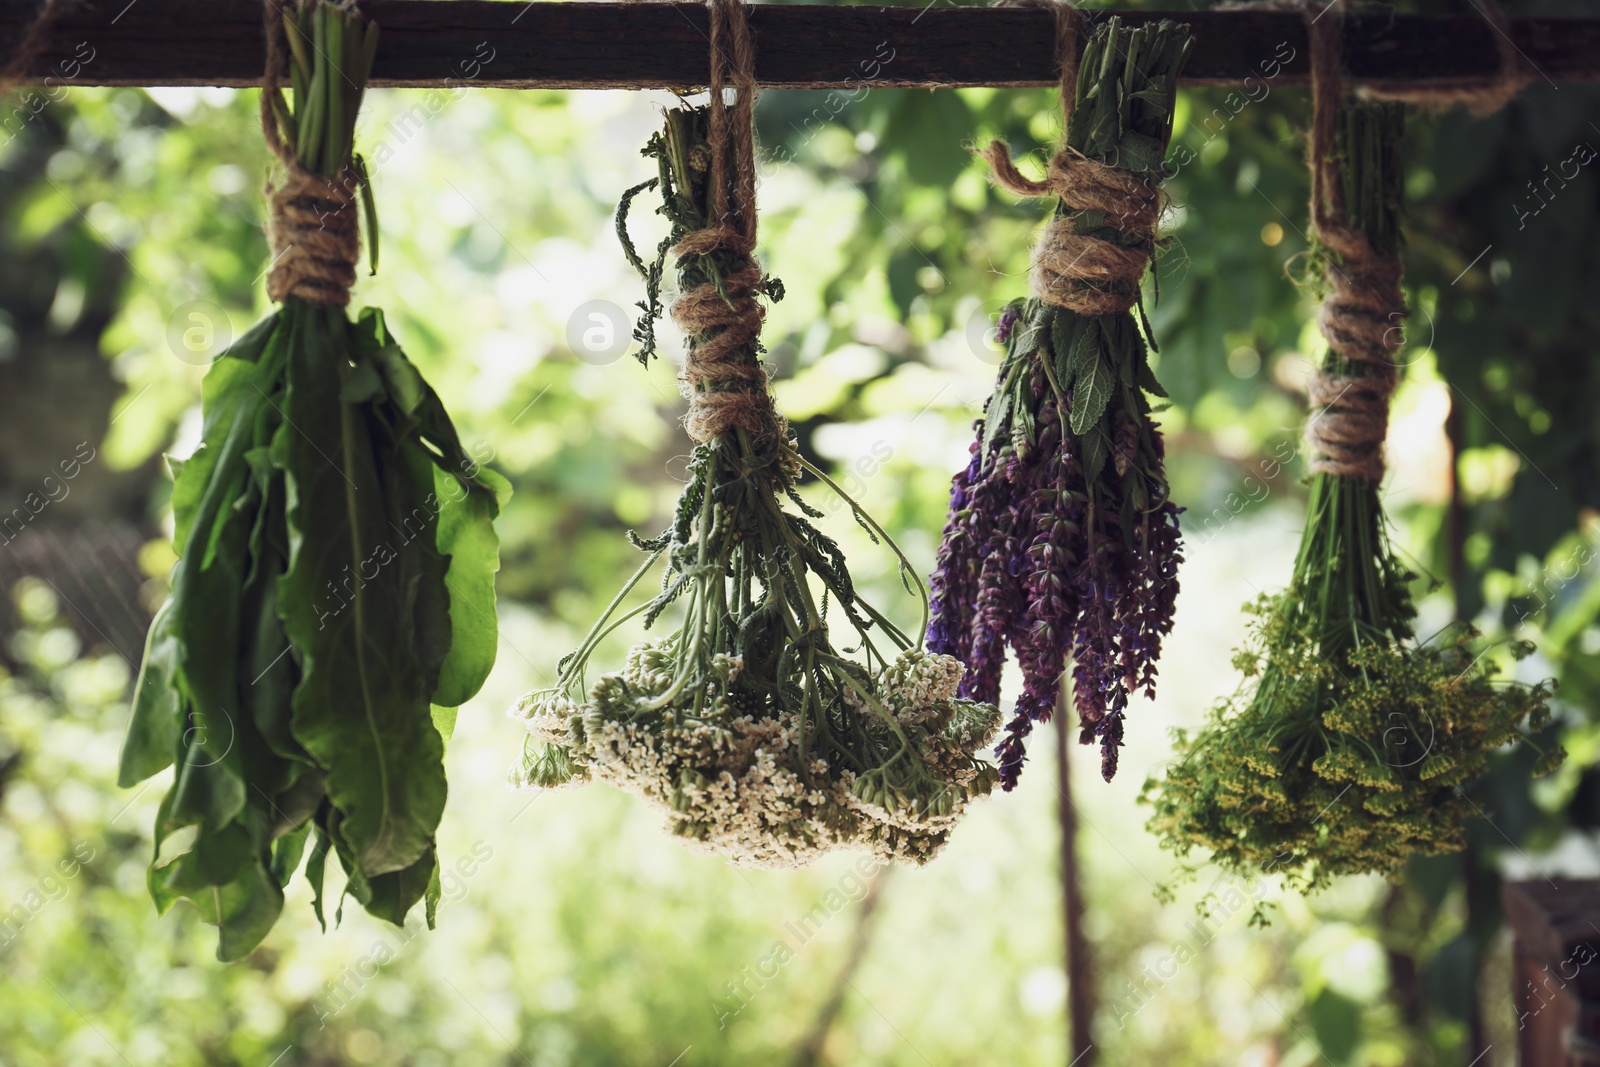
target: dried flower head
747 785
1340 767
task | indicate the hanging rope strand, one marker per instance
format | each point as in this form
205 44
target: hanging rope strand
311 219
723 378
735 55
1480 96
1083 273
1364 307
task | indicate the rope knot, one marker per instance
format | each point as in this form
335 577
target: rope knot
314 236
1363 309
726 387
1361 318
723 378
1095 272
723 238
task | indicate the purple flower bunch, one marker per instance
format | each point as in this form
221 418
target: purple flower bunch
1062 543
1058 546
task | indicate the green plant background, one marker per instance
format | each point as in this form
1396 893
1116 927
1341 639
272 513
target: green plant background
574 930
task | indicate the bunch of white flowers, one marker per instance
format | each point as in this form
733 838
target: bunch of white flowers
740 781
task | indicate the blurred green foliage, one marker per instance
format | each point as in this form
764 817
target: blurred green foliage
582 934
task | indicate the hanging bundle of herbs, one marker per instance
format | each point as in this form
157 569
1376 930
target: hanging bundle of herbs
1350 752
334 597
1061 540
757 734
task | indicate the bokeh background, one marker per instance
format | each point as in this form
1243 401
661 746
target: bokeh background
574 930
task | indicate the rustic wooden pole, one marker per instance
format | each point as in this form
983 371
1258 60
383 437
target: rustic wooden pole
1482 886
1080 973
507 44
814 1045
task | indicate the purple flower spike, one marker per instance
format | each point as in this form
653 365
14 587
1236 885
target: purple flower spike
1008 318
1055 563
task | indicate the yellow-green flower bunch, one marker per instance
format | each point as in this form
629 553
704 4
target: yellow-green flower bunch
1349 753
1346 766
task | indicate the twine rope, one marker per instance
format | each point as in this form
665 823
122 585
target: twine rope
722 378
1363 308
311 219
1480 96
1083 273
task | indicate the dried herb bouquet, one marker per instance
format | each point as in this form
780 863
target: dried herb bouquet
334 597
1350 745
1061 541
748 724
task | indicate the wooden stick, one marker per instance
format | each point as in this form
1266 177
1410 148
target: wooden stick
813 1046
1075 946
510 45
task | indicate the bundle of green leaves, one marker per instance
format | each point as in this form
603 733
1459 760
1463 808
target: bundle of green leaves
746 725
334 597
1350 752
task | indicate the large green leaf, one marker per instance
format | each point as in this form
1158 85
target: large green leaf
270 669
466 498
1087 344
392 894
287 852
467 536
316 868
361 708
418 568
205 793
1065 331
208 597
221 871
153 729
243 908
231 393
232 385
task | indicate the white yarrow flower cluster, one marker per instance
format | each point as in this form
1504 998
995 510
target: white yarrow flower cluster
753 787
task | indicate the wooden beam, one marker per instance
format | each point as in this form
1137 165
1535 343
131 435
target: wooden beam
501 44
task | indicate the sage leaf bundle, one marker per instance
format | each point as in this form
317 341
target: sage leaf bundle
334 593
747 725
1061 541
1349 749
